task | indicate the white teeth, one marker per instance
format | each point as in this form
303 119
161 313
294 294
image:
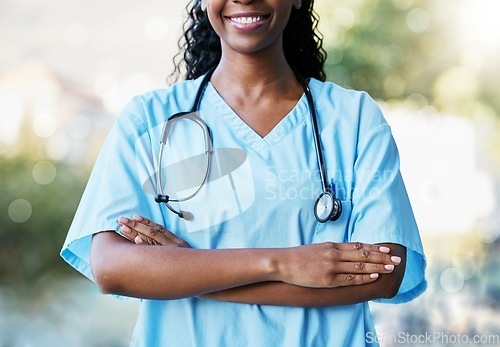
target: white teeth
246 20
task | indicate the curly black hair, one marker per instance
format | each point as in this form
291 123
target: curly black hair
200 47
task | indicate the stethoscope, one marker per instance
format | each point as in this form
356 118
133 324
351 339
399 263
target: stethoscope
327 206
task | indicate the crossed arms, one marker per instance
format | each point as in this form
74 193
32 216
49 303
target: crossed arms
159 265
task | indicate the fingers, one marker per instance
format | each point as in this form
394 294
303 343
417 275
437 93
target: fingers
144 240
365 253
364 268
137 234
145 232
362 263
369 257
356 263
154 227
148 228
341 280
358 246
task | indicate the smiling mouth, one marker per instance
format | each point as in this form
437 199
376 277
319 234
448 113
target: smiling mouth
248 20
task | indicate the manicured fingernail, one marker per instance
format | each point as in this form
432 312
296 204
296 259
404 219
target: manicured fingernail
384 249
389 267
396 260
123 219
374 276
138 240
125 229
137 218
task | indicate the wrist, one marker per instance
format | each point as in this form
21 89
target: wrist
275 263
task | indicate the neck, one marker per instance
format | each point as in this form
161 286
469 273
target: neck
254 74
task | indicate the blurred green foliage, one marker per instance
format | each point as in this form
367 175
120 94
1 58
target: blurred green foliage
378 53
30 249
379 45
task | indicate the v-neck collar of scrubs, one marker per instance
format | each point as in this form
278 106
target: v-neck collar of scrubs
254 140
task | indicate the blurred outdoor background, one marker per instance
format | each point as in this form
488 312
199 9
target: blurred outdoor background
67 67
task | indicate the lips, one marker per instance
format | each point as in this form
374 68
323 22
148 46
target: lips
248 21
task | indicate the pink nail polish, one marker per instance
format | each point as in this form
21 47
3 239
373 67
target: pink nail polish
374 276
384 249
137 218
396 260
389 267
125 229
123 220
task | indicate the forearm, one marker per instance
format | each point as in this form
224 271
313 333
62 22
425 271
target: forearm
174 270
283 294
159 272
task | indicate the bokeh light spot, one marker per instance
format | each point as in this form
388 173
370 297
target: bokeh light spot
76 35
418 20
429 117
344 18
44 172
466 264
487 230
452 280
78 127
156 28
20 210
57 147
416 101
44 125
336 56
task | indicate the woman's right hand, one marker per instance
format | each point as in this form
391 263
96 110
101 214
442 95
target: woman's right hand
146 232
328 265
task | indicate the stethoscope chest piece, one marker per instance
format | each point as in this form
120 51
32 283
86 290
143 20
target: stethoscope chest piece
327 207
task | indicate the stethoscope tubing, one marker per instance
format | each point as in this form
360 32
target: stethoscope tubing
316 137
208 152
323 211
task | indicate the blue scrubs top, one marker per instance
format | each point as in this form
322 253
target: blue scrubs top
260 193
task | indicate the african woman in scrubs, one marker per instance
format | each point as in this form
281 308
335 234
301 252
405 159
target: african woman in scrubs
252 267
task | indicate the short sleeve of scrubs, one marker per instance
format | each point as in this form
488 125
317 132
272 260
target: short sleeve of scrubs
381 211
112 187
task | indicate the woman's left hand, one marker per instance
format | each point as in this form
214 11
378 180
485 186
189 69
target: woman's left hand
146 232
